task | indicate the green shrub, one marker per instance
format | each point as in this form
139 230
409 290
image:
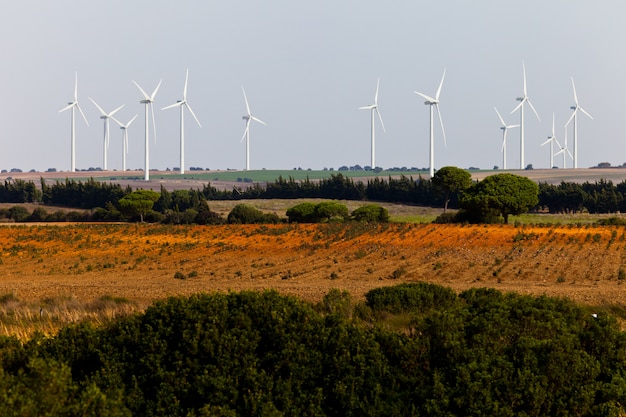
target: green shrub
371 213
302 213
407 297
245 214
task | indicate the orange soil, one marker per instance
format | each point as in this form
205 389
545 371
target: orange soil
139 261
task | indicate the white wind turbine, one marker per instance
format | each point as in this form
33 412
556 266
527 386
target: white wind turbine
124 128
504 128
552 140
74 105
248 117
565 151
523 100
147 101
182 104
576 107
434 102
105 116
374 109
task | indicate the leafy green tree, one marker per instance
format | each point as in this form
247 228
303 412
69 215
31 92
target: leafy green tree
330 210
371 213
450 180
500 195
138 203
245 214
302 213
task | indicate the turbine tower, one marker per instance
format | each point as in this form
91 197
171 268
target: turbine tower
148 101
434 102
248 117
74 105
182 104
523 100
124 128
105 116
374 109
552 140
576 107
504 128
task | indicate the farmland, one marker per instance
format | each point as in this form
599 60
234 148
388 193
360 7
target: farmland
79 268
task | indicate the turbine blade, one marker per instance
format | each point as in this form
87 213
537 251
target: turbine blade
524 71
155 90
560 152
518 106
82 114
145 95
185 88
381 119
69 106
440 85
512 126
258 120
557 142
571 117
546 142
192 113
584 111
500 116
367 107
425 97
569 153
117 121
76 87
441 122
245 132
116 110
574 88
246 100
131 121
533 108
99 108
376 95
177 104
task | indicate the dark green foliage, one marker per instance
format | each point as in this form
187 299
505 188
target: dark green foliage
449 182
407 297
480 353
499 195
301 213
138 203
247 214
371 213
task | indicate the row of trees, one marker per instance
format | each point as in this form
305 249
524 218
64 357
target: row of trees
445 189
479 353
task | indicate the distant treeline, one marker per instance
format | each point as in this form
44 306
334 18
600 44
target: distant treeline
479 353
568 197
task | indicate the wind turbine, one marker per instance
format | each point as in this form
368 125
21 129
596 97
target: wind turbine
248 117
124 128
105 116
552 140
504 128
523 100
182 104
434 102
565 151
147 101
374 109
576 107
74 105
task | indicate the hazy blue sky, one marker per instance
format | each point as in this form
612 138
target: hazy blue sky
307 67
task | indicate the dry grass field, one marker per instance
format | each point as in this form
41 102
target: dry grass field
53 275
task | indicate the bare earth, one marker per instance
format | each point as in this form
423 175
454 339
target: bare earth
149 262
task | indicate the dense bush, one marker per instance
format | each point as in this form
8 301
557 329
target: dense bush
247 214
480 353
371 213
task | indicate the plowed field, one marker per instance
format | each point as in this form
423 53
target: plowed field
148 262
